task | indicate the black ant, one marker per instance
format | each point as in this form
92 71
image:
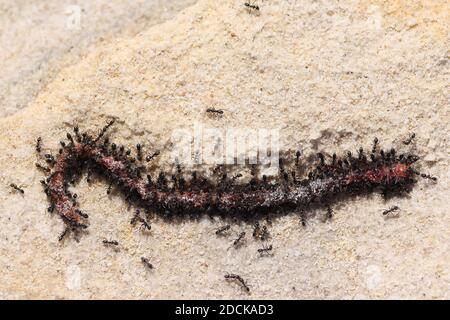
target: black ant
77 133
137 218
391 209
410 139
146 263
230 276
69 136
63 234
51 208
41 167
50 159
89 175
375 143
150 157
110 243
256 230
265 250
38 144
361 155
239 238
14 186
139 152
329 213
264 234
260 233
221 230
102 133
423 175
81 213
145 224
297 157
303 218
427 176
73 227
251 5
237 176
213 110
108 191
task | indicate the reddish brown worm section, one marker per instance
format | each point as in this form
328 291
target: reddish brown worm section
353 175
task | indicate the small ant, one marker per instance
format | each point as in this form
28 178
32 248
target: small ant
89 175
137 218
73 227
237 176
239 238
375 143
213 110
81 213
251 5
423 175
329 213
69 136
145 224
110 242
391 209
361 154
427 176
14 186
77 133
264 249
221 230
150 157
41 167
303 220
297 157
102 133
146 263
256 230
50 159
260 233
139 152
63 234
410 139
38 144
264 234
230 276
108 191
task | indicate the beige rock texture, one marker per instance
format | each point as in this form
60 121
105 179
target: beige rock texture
38 38
330 75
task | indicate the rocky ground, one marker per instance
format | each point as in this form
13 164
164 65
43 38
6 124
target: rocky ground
330 76
38 38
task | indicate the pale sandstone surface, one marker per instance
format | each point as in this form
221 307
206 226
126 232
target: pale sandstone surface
38 38
329 75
